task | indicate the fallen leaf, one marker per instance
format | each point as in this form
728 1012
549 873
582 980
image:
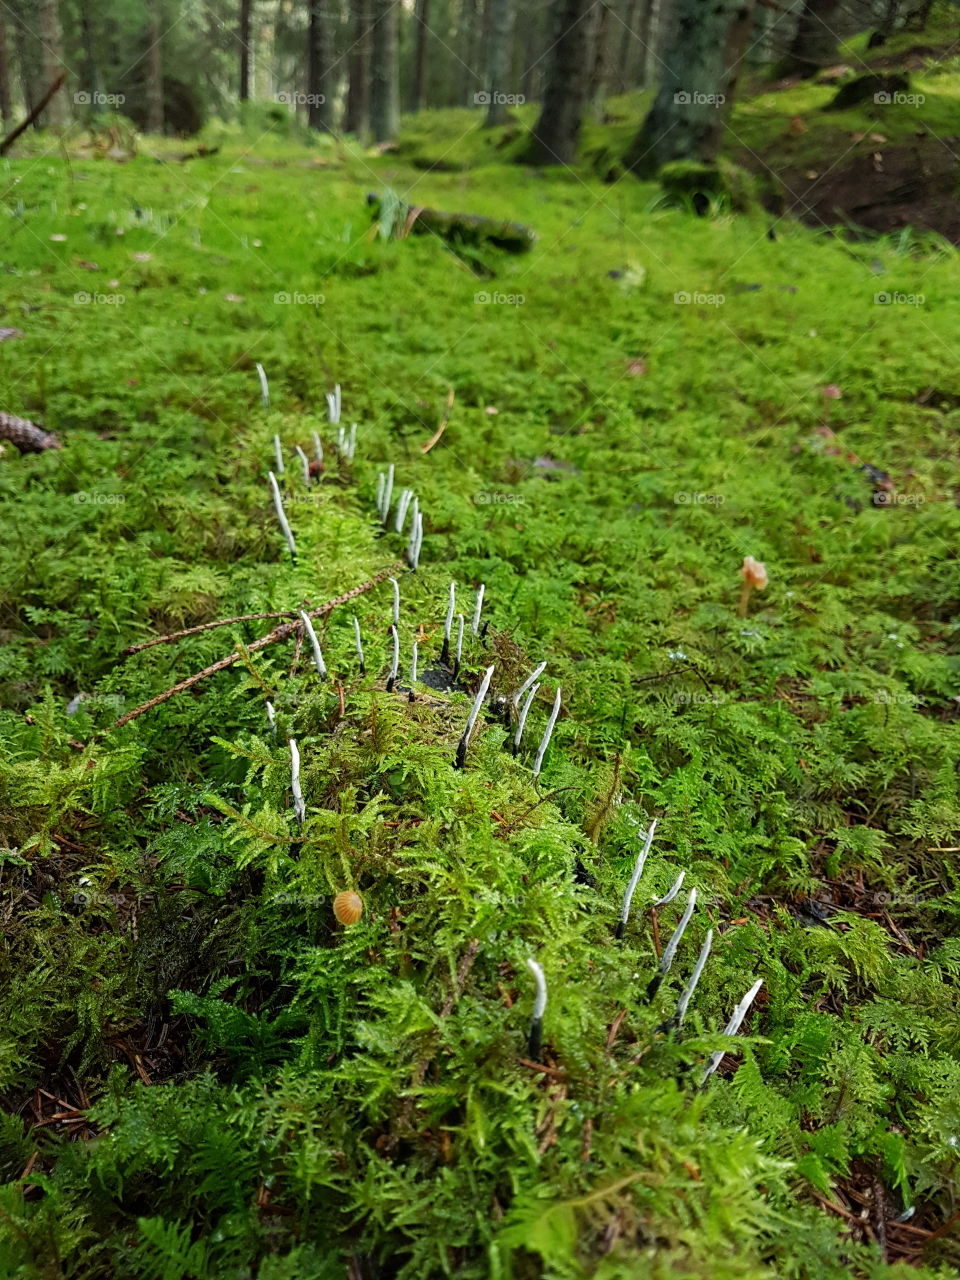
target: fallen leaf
637 368
6 334
84 265
797 125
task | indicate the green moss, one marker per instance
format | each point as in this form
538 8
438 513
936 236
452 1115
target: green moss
316 1094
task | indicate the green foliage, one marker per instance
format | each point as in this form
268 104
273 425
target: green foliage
252 1089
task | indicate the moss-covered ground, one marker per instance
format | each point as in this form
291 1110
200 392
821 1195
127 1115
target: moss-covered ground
203 1073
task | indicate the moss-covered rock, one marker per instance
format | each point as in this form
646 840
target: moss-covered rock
701 184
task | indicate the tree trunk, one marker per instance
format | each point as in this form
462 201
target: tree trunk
244 38
701 63
57 114
318 68
155 69
815 43
557 132
600 70
6 95
385 71
626 42
422 18
499 45
657 16
358 71
92 77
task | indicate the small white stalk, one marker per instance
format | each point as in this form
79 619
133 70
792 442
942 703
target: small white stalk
305 463
333 405
448 623
402 506
271 716
691 986
387 495
475 624
395 665
417 542
635 878
278 455
459 652
317 655
299 808
414 659
381 485
524 712
282 515
535 674
535 1037
359 644
264 386
545 740
731 1029
671 892
666 960
472 718
671 948
396 601
412 541
352 442
318 448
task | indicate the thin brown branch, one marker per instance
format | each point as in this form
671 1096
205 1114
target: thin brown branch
204 626
11 138
443 424
283 632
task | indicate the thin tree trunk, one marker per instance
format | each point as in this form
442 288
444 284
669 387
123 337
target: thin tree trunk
385 71
701 63
422 18
626 41
557 132
318 68
93 79
155 70
57 114
600 70
815 44
358 71
6 96
499 44
655 19
244 38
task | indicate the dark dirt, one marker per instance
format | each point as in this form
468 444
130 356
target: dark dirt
883 188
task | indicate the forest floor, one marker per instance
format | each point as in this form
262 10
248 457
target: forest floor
203 1074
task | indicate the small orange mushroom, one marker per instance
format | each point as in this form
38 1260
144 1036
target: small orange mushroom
754 575
348 907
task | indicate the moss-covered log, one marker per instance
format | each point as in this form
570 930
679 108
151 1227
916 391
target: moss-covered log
462 228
